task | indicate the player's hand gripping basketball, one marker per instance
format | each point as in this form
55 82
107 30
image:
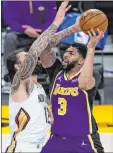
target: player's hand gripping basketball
61 13
94 38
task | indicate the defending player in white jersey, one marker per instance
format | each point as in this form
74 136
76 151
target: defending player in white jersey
27 105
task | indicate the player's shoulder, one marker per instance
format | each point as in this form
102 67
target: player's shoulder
38 85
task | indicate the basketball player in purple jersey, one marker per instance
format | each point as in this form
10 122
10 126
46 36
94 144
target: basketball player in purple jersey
73 91
74 128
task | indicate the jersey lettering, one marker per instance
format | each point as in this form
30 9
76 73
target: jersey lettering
65 91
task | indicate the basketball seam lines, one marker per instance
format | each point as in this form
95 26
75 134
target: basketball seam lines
97 25
91 18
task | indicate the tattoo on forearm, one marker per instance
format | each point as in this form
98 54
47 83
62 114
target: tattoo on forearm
54 41
43 40
31 59
36 49
60 36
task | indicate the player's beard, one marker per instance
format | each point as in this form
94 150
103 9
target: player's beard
69 66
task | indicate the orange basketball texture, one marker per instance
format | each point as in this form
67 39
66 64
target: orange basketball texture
93 18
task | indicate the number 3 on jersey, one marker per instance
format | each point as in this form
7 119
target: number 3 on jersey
63 106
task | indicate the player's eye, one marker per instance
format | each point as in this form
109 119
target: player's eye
71 53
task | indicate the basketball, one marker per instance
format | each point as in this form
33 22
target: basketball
95 19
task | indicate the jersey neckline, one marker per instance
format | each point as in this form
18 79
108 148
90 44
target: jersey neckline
65 77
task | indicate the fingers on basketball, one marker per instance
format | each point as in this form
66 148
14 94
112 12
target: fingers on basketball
91 32
100 34
96 32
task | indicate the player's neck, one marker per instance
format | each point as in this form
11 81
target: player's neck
34 79
73 71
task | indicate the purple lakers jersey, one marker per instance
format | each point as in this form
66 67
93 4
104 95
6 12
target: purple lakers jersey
70 107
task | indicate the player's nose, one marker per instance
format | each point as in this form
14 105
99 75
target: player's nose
65 55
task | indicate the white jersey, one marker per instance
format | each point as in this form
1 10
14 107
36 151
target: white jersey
29 120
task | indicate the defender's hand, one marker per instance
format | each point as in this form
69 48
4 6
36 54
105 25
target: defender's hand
61 13
94 38
76 27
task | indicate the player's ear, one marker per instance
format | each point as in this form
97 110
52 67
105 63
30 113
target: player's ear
81 61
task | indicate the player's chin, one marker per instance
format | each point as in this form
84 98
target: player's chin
64 64
63 67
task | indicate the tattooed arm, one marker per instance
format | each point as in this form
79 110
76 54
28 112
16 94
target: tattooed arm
48 57
64 33
30 60
37 47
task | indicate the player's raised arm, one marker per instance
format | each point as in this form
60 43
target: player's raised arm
86 79
30 60
48 57
64 33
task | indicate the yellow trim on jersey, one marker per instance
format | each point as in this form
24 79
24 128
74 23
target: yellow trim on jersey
89 111
54 86
23 120
92 144
12 147
65 77
49 107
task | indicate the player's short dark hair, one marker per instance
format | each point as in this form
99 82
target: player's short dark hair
82 49
10 64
